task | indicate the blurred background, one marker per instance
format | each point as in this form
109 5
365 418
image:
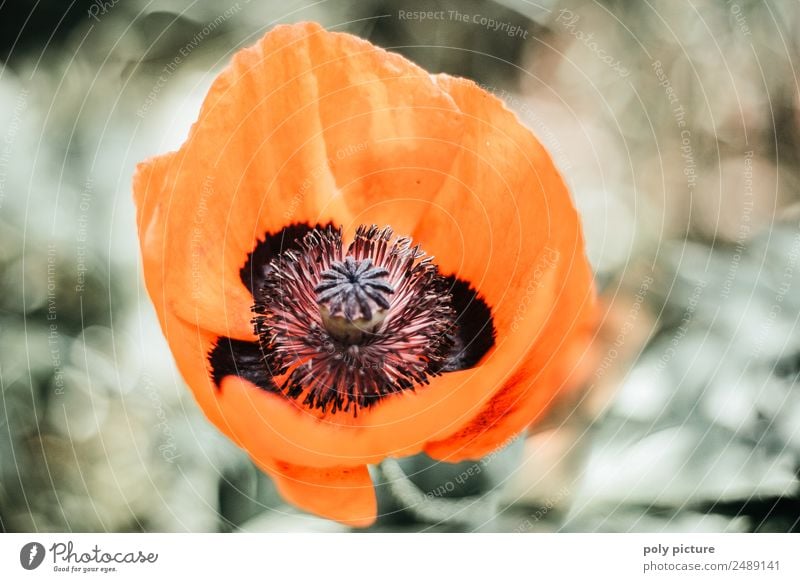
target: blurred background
677 127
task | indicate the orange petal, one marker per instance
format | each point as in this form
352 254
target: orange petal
190 344
521 246
504 217
299 128
391 132
557 364
499 216
268 425
344 494
511 211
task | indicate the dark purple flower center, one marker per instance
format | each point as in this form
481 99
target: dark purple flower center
348 327
343 328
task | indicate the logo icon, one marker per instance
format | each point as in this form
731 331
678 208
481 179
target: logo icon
31 555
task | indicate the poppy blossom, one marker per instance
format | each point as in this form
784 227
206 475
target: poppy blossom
352 259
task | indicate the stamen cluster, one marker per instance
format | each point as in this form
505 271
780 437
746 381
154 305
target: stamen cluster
346 328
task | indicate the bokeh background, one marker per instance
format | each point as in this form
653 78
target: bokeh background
676 124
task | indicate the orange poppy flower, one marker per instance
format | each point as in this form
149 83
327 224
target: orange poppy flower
321 344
